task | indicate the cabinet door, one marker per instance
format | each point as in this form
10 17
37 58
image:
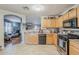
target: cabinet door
55 39
73 50
72 13
53 23
48 23
65 16
49 39
73 47
60 22
31 38
56 23
45 23
78 16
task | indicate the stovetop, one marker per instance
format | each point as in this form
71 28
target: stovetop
69 36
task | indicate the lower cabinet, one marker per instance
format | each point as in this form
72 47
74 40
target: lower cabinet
55 39
73 48
51 39
31 38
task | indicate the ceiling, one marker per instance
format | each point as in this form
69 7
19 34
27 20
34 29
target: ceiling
49 9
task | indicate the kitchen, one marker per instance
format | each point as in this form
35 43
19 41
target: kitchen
66 27
60 30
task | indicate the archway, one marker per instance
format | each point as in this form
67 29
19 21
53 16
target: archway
12 30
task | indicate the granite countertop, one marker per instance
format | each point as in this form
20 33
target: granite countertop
38 33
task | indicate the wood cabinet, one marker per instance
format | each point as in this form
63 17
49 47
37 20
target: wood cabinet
57 23
73 50
73 13
55 38
51 39
78 16
53 23
43 23
47 23
74 47
65 16
60 22
31 38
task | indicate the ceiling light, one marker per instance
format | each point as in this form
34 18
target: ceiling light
38 7
26 8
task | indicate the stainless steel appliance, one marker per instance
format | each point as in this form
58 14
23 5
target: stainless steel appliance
71 23
63 44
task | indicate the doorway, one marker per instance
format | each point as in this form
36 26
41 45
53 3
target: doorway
12 30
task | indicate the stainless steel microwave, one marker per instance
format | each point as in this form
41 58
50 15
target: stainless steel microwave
71 23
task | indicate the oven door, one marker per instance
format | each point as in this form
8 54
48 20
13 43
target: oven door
62 44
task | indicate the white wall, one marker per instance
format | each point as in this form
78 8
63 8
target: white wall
2 13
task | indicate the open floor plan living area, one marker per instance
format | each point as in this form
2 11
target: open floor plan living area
39 29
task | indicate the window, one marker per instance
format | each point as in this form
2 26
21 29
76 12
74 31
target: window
8 27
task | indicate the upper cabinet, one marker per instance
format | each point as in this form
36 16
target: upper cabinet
65 16
71 20
60 22
78 16
47 23
73 13
53 23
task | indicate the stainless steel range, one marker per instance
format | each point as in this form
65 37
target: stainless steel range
63 44
64 36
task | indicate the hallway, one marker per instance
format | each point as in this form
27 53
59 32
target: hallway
30 50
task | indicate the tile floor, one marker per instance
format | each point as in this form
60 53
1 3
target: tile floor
29 50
